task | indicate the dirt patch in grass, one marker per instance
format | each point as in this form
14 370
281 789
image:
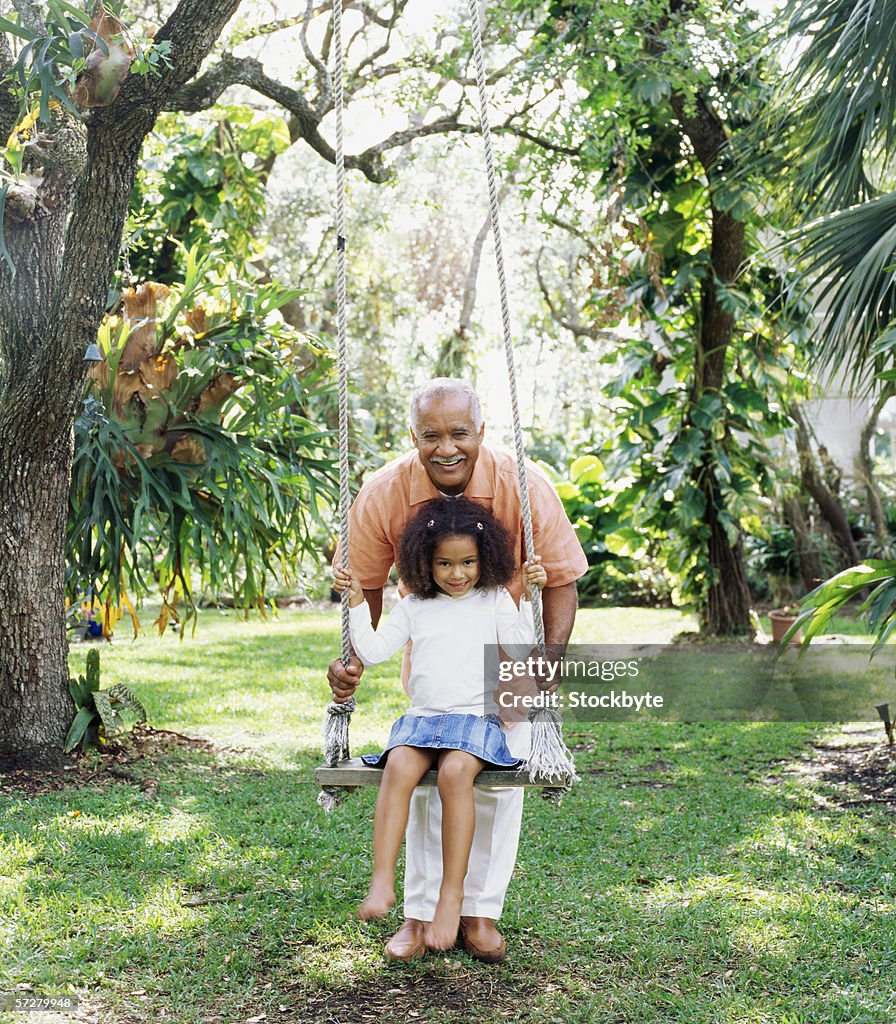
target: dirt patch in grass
398 997
867 772
110 766
453 990
859 763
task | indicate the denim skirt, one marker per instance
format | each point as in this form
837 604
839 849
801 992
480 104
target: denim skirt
480 736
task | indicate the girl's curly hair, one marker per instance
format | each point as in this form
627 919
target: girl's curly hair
453 517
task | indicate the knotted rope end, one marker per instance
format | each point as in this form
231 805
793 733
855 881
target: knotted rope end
549 757
335 729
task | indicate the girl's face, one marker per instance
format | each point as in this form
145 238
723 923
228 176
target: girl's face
455 565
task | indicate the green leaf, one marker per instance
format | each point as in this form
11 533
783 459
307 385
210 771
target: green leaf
76 45
15 29
57 11
691 505
78 729
688 446
79 691
107 713
706 410
126 697
627 542
651 89
586 469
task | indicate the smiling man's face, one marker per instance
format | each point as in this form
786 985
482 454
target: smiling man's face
447 440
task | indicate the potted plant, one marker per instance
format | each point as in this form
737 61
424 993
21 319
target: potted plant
782 621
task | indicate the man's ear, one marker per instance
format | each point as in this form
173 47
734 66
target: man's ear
413 437
482 432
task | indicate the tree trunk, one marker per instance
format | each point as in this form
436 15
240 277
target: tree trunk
827 502
811 571
63 231
35 706
36 415
727 611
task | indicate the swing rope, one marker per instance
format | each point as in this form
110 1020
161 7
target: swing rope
549 756
338 716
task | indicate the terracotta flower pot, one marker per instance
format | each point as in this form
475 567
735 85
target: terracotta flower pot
781 621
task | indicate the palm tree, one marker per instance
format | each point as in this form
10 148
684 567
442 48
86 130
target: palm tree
839 156
839 152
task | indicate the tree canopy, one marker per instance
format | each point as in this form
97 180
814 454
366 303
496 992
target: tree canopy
675 202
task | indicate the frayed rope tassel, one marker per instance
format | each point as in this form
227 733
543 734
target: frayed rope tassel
330 797
336 723
549 757
336 749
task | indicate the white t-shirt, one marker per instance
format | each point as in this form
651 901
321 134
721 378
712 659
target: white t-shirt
452 637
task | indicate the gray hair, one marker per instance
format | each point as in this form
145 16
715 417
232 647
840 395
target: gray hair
439 387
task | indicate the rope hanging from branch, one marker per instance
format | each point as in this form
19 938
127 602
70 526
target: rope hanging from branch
549 756
338 717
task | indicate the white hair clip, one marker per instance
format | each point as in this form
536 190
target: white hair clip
479 526
432 522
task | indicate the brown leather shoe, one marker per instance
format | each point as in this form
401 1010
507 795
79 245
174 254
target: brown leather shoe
407 943
482 939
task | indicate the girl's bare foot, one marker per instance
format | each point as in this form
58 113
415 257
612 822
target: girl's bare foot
380 900
441 932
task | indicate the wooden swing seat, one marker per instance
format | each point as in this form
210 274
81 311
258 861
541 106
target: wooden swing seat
354 772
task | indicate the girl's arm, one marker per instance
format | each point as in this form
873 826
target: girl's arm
370 645
375 645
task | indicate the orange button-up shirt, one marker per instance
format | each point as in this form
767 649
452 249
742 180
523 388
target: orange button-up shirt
389 498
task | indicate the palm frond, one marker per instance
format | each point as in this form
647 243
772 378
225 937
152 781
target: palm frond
849 275
839 99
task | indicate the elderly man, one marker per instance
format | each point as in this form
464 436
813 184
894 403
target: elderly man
447 429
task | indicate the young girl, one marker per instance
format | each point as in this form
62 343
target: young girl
454 557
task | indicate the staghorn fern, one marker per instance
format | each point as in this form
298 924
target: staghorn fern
100 712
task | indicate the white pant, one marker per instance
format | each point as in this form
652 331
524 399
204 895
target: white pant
499 813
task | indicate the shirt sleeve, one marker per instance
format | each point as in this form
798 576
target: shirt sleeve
371 552
553 535
373 646
516 628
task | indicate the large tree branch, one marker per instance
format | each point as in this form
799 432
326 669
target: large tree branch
204 91
324 82
452 123
192 31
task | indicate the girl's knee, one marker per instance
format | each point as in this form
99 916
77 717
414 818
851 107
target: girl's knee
405 761
457 768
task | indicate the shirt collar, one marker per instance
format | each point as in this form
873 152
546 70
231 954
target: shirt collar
481 485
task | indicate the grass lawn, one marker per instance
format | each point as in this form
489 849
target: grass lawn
697 874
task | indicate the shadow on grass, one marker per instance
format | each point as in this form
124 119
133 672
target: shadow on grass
232 895
690 877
